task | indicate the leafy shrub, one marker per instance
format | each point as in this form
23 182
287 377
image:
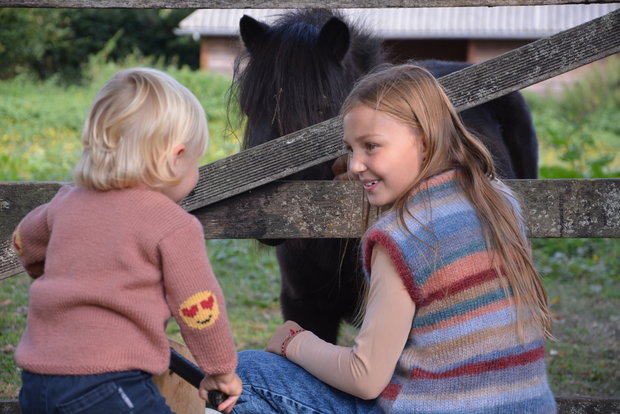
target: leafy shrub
54 42
578 131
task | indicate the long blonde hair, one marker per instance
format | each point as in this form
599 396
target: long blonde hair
411 95
135 121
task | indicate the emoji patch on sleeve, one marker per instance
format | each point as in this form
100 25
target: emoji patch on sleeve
17 243
200 310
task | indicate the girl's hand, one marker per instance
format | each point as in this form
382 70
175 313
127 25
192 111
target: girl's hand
230 384
281 334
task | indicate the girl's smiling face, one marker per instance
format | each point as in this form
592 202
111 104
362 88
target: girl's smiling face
384 153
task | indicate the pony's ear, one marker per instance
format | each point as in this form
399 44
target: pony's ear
334 38
252 32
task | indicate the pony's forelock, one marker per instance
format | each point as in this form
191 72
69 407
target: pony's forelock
270 82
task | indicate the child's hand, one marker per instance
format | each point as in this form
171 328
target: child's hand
230 384
341 171
283 332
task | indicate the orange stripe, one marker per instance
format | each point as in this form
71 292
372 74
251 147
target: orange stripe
469 265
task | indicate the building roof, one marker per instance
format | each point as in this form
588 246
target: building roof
504 22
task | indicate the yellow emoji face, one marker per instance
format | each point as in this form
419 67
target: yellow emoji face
200 310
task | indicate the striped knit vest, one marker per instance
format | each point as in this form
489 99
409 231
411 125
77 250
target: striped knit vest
463 354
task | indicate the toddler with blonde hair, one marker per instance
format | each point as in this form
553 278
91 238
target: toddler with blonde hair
115 256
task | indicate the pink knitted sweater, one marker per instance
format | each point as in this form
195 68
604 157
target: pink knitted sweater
110 269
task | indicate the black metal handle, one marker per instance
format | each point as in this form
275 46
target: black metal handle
190 372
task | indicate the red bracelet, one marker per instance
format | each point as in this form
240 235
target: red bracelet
286 340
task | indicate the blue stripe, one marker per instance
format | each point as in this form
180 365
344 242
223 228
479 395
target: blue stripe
499 317
435 192
462 227
491 356
464 383
534 399
459 309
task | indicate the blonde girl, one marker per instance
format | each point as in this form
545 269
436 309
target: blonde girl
456 314
115 256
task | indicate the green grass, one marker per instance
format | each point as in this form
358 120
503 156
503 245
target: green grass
249 276
582 279
41 121
579 137
13 310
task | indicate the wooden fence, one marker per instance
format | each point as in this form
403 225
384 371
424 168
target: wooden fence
240 197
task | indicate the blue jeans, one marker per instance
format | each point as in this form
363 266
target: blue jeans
116 392
273 384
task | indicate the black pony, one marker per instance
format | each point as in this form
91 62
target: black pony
296 73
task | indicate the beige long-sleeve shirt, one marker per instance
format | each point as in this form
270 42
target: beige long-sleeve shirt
364 369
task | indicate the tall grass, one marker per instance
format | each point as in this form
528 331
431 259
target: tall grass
579 136
41 121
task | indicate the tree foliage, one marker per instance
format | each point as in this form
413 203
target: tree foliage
57 42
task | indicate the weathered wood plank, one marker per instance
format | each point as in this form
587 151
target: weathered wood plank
588 405
333 209
310 209
16 200
9 407
278 4
517 69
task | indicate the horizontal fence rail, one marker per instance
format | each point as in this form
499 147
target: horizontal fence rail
477 84
333 209
279 4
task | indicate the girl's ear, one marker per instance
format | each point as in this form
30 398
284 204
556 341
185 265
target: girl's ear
424 143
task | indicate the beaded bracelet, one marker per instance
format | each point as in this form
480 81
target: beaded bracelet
291 335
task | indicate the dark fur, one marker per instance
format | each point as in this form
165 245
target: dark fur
296 73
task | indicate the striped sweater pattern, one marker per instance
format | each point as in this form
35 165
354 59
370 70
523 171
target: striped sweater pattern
463 354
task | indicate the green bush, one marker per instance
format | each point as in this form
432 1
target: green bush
55 42
578 131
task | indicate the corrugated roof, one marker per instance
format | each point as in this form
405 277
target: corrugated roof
514 22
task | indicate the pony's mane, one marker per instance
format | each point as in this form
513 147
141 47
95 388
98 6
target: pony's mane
290 81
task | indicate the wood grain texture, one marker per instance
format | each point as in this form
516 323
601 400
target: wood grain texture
333 209
534 62
278 4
